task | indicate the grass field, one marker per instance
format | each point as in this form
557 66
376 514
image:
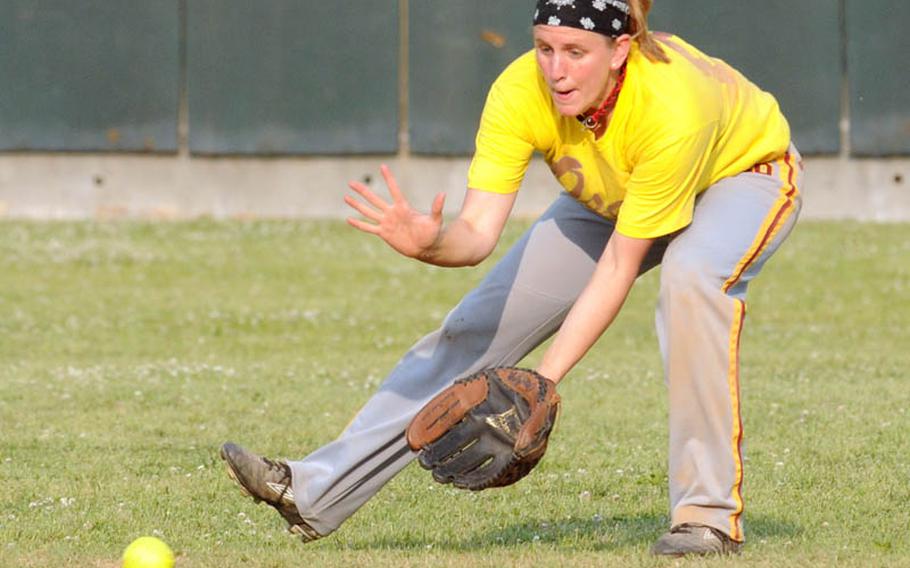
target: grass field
130 351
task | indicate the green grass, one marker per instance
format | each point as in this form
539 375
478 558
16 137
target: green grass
130 351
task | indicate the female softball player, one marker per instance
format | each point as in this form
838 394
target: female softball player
668 157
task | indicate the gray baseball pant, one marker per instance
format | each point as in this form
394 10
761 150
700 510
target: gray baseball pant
738 224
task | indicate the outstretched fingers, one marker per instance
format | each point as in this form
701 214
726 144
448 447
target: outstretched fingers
363 209
363 226
374 213
390 181
368 194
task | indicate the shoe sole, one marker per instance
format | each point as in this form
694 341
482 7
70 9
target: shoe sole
695 553
293 529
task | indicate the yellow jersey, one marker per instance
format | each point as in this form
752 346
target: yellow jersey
676 129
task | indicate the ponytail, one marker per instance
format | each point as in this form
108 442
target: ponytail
638 28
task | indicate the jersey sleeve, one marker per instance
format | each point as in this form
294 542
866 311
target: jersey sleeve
660 193
503 144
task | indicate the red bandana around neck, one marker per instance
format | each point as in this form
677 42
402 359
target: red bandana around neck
593 121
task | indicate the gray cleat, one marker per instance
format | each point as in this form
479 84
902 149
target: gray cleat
694 539
269 481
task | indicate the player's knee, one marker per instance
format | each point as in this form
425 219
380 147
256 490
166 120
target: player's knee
458 326
683 274
466 330
454 327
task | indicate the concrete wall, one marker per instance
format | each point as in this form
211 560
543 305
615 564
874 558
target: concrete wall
62 186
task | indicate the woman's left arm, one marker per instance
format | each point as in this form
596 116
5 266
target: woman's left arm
597 306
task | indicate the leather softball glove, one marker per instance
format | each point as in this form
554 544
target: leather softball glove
486 430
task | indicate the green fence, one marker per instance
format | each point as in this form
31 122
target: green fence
89 75
306 77
292 77
878 67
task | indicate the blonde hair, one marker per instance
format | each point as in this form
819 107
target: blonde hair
638 29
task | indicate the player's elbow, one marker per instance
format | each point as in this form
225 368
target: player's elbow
471 263
484 248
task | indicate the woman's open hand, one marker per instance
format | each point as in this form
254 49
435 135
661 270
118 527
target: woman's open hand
405 229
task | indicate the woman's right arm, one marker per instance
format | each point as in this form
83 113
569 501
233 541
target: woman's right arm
465 241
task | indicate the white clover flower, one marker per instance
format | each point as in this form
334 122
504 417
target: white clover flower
616 24
599 4
554 21
587 23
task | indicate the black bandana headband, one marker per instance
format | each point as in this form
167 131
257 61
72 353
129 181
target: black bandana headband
607 17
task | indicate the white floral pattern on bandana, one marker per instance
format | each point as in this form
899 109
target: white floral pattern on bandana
606 17
620 5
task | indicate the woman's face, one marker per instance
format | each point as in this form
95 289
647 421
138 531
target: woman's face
576 65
